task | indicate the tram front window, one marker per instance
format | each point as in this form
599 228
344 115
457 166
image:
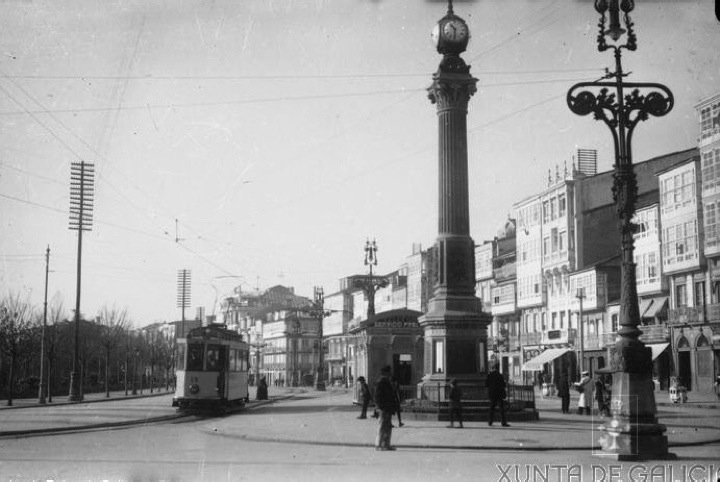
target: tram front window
213 358
195 358
180 357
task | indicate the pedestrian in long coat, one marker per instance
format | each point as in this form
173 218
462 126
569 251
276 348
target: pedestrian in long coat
497 394
385 402
564 393
365 396
585 387
455 397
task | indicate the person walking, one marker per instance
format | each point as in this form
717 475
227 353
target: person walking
262 389
497 394
455 397
396 390
385 402
364 396
585 387
564 392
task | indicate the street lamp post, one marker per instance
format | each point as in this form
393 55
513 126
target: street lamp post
41 395
371 284
320 311
580 295
633 432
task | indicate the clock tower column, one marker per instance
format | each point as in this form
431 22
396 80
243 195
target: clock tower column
454 326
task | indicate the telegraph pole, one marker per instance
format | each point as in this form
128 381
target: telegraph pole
41 395
183 294
82 177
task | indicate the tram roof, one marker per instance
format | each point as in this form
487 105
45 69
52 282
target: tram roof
216 331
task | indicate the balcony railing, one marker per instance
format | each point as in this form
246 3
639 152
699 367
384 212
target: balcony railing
713 312
685 315
507 271
534 338
654 333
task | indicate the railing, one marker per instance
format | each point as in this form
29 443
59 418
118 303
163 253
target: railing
534 338
686 314
504 272
654 333
433 398
713 312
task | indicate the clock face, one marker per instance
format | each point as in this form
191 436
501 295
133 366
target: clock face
455 31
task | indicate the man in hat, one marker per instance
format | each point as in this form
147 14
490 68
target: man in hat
365 396
385 403
496 392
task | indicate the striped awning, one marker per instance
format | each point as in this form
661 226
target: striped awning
656 307
658 348
536 364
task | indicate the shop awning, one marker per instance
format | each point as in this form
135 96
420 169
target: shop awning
658 348
644 305
536 364
658 304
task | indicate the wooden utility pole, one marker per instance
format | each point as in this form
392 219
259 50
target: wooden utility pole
41 394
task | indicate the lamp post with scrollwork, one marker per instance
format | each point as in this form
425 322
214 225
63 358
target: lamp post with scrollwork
633 432
371 284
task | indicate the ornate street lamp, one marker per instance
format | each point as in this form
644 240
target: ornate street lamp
633 431
371 284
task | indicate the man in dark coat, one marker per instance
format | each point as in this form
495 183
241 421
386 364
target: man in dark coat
385 402
455 397
365 396
496 392
564 392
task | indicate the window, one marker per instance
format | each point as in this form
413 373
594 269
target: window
706 122
213 358
680 296
712 222
195 358
562 205
439 356
700 293
554 240
554 321
180 357
562 320
546 211
562 241
546 246
614 322
553 208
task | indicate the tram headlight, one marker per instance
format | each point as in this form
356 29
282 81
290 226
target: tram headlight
194 389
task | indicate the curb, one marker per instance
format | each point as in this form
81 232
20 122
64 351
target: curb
93 400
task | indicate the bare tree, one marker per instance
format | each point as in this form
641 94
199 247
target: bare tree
113 323
52 337
16 320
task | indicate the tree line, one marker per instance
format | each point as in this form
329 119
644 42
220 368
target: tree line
112 355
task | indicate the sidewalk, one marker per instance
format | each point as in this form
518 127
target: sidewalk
335 423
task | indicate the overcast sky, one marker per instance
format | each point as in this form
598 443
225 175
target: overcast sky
281 134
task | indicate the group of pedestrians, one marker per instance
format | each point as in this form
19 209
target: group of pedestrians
388 397
589 389
387 403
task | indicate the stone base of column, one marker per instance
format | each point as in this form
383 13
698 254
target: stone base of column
633 432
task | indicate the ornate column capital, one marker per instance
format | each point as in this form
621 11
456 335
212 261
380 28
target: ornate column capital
452 91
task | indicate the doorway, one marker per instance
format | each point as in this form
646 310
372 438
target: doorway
402 368
684 369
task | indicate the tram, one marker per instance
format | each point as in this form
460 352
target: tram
211 369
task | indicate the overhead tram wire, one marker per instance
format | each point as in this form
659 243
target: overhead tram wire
279 77
102 157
